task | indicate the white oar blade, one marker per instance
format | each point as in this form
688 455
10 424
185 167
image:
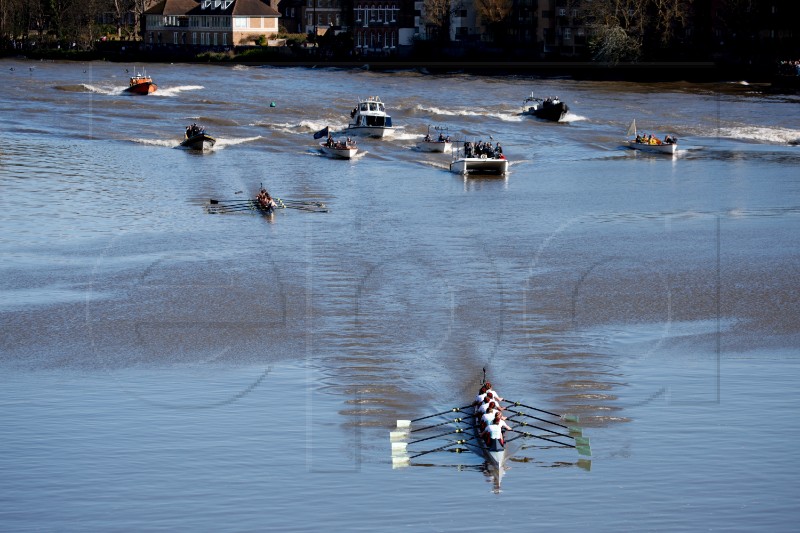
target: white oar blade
399 447
397 435
404 424
400 461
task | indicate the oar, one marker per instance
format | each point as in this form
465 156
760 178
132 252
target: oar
548 430
441 448
238 208
455 420
238 201
302 208
571 429
582 449
226 208
407 423
232 203
307 202
406 444
568 418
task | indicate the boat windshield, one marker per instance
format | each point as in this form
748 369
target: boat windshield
373 107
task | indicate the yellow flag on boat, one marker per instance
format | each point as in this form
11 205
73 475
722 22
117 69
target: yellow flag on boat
632 129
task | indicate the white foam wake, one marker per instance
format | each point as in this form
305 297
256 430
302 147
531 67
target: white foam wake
224 143
158 142
762 134
174 91
572 117
102 90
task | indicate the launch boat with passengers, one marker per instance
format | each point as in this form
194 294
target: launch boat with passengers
369 118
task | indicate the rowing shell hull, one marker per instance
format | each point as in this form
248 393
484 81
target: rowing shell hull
668 149
478 165
265 210
494 458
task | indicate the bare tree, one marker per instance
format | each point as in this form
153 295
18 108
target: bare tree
437 18
121 9
656 23
140 6
611 44
493 13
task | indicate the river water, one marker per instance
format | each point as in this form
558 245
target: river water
167 368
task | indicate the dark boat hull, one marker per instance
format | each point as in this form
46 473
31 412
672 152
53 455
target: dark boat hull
553 112
199 142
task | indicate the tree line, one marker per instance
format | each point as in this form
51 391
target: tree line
71 23
617 30
633 30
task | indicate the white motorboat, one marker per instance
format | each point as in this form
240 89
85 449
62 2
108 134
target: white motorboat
651 143
440 144
479 165
369 118
339 149
472 159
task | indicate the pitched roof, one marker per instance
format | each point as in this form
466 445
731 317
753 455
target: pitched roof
194 7
253 7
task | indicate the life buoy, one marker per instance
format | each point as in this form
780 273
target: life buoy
483 156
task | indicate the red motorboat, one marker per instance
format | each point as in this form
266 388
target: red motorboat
142 84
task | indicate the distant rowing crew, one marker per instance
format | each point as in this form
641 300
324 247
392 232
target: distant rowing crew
264 203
